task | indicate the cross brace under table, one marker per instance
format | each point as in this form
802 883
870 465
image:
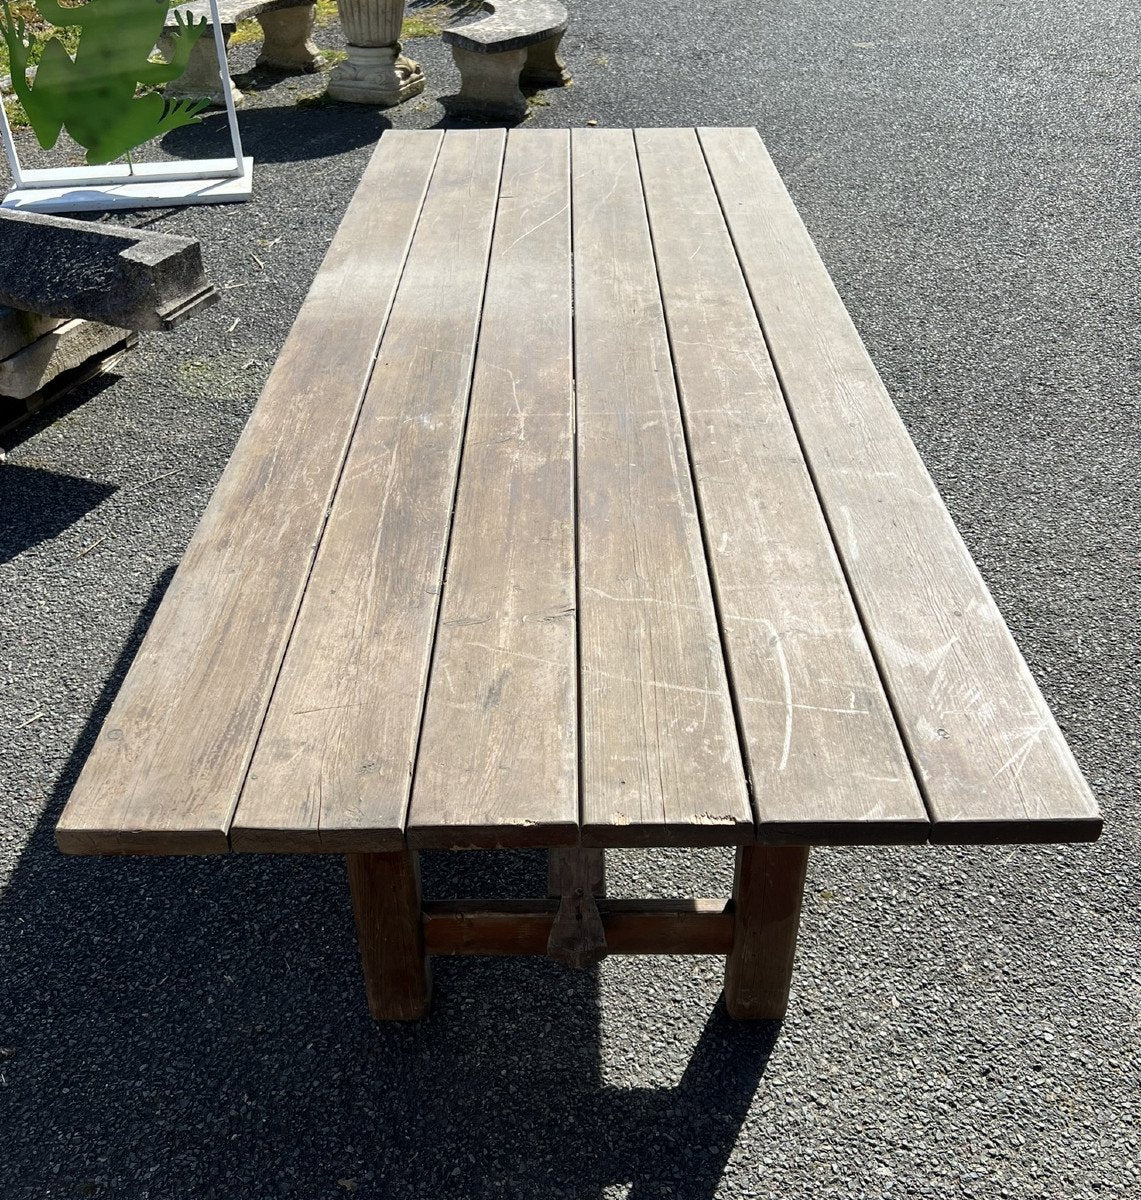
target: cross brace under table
398 931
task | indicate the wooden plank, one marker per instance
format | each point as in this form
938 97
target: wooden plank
824 756
165 771
660 758
768 890
524 926
989 756
333 764
574 868
386 905
497 764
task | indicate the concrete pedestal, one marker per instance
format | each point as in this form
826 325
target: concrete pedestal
375 71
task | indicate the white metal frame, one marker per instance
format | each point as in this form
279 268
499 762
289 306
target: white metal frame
137 185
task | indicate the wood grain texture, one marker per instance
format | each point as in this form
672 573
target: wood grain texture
385 889
660 758
825 760
524 926
498 758
574 868
768 889
990 758
333 764
167 767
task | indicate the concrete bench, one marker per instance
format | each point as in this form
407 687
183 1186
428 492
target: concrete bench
511 42
574 515
287 29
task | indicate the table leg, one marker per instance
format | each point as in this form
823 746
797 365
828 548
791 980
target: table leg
576 877
386 902
572 867
768 888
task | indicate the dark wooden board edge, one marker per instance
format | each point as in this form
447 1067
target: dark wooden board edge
843 833
149 843
493 837
645 836
1043 832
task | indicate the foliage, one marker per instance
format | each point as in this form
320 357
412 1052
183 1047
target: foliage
92 92
25 10
426 22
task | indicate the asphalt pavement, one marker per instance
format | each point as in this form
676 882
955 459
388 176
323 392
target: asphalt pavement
964 1022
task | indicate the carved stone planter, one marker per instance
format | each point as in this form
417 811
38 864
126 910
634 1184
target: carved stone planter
375 71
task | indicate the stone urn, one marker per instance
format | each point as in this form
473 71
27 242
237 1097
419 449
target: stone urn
375 71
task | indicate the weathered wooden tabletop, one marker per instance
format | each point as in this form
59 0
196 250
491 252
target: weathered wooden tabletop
574 510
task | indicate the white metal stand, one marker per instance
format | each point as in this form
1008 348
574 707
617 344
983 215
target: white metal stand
137 185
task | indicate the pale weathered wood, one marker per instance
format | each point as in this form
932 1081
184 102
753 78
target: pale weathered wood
660 757
524 926
334 760
385 889
497 764
989 755
825 760
166 769
768 888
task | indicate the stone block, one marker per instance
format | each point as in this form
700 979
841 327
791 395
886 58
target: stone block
129 278
489 85
67 347
19 329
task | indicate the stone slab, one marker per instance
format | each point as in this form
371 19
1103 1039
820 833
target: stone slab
19 329
232 12
71 345
505 25
132 279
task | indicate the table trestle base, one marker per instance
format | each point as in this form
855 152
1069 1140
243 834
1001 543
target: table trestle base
755 930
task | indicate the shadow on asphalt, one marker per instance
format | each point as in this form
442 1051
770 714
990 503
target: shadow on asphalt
36 506
197 1027
289 133
71 395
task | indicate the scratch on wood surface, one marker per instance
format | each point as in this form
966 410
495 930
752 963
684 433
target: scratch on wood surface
655 683
550 662
782 662
931 662
514 399
1017 761
536 228
675 604
762 369
304 712
598 204
562 614
822 708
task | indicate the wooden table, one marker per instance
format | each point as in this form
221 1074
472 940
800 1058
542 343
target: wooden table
574 515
